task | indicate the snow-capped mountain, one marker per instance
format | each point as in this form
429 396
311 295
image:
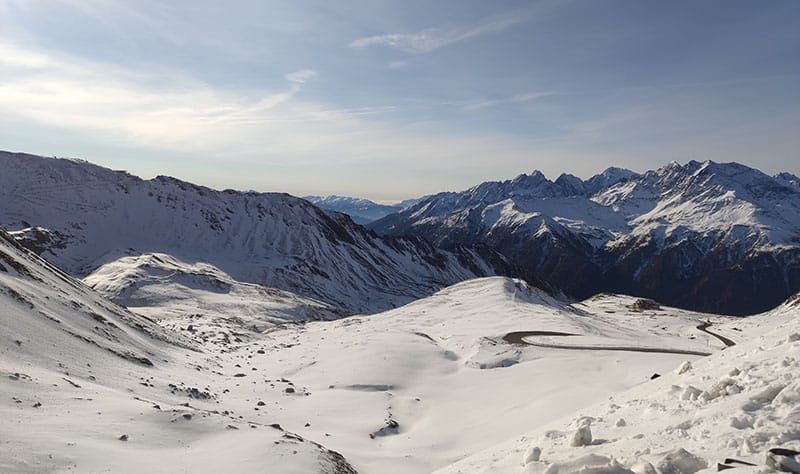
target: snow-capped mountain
362 211
81 216
710 236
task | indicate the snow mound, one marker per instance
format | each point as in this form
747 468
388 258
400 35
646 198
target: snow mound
178 294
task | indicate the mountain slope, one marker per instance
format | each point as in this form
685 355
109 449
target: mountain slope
201 299
394 392
735 404
81 216
35 295
92 387
708 236
435 380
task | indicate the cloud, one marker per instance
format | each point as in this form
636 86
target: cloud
160 108
515 99
164 111
431 39
301 76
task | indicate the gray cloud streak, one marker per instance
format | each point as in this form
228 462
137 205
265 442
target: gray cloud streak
431 39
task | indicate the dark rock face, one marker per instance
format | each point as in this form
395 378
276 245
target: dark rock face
645 304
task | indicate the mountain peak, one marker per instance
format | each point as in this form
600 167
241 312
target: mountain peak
609 177
660 231
787 179
571 184
533 179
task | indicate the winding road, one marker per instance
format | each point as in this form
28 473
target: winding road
704 327
519 337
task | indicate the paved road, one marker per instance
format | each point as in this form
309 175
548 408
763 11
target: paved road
518 337
704 327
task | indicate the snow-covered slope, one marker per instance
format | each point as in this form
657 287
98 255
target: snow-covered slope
710 414
718 237
81 216
411 390
85 387
201 298
35 299
414 389
362 211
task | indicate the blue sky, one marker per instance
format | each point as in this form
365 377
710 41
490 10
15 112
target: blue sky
395 99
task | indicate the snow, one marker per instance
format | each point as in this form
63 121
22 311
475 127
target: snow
619 205
736 403
206 371
83 216
430 386
218 308
84 386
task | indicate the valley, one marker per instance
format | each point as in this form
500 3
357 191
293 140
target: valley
166 362
392 237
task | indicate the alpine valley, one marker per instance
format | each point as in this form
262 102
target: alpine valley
160 326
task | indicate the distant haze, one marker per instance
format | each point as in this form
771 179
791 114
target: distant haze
398 99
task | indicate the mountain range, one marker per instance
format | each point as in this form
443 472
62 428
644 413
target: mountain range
362 211
716 237
81 216
176 342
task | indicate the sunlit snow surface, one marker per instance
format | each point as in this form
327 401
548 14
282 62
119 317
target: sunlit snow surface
83 216
411 390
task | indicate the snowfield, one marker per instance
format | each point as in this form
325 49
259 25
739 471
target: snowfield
88 386
735 404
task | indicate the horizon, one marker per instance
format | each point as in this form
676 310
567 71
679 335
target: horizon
550 178
398 101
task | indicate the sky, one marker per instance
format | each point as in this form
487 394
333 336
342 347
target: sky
396 99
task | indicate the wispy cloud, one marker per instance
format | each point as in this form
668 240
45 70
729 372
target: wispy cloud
301 76
515 99
164 111
431 39
161 108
